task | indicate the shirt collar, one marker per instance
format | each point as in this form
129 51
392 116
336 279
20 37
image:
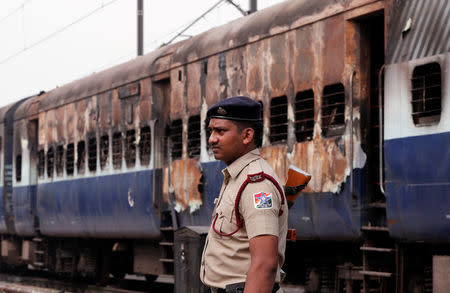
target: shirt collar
240 163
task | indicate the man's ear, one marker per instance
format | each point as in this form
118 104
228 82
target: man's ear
248 135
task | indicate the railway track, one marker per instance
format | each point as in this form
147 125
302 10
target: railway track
49 284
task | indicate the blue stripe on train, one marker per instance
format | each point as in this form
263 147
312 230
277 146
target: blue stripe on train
24 199
418 187
108 206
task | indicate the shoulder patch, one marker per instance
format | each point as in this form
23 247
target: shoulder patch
262 200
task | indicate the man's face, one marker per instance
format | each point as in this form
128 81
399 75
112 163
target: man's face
226 141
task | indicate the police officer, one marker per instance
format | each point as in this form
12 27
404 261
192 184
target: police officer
244 249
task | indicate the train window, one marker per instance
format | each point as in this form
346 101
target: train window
50 162
278 119
19 168
41 163
193 147
70 158
145 145
304 115
92 154
81 156
333 110
176 137
59 160
426 94
130 151
117 150
104 150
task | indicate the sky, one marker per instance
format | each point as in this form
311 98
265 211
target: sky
48 43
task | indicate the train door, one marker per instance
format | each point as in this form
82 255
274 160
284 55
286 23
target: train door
33 127
378 257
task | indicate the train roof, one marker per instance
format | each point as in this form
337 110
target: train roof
102 81
273 20
259 25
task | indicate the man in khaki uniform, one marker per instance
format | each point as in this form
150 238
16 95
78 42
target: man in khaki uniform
247 238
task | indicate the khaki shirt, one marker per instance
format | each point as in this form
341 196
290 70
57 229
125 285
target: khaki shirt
226 259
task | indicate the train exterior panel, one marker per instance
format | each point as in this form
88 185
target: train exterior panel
417 122
109 166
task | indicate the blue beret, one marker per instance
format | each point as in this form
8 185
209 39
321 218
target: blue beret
236 108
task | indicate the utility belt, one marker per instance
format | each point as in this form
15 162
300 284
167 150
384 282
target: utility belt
239 288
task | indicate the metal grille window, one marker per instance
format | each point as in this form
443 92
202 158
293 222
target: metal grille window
50 162
59 160
278 119
145 147
176 137
117 150
70 158
193 147
333 110
19 168
81 158
130 151
426 94
104 150
92 154
41 163
304 115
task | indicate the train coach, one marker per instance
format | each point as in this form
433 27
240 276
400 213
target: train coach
99 173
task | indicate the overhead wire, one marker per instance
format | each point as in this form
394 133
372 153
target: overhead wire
56 32
14 11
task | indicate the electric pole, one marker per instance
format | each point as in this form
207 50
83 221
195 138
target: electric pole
253 6
140 27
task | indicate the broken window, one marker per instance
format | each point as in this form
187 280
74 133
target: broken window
333 110
426 94
81 156
176 138
92 154
145 145
104 150
130 151
19 168
41 163
278 119
304 115
50 162
117 150
193 147
70 158
59 160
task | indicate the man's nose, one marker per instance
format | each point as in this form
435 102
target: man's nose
212 138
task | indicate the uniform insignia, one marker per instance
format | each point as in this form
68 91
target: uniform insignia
262 200
221 111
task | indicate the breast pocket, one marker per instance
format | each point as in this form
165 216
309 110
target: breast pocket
224 223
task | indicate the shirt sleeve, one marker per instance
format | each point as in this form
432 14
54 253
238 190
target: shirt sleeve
260 207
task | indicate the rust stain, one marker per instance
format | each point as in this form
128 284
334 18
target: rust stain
70 122
145 101
116 110
193 87
212 86
185 177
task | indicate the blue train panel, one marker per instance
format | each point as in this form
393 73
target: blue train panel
213 179
2 213
107 206
328 216
315 216
418 187
24 199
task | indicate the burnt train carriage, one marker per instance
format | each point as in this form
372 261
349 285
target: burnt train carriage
106 167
